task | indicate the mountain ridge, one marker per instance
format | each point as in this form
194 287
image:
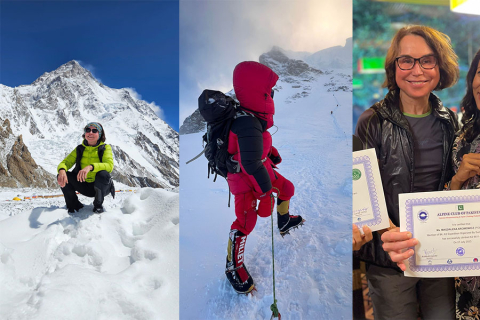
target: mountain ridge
293 72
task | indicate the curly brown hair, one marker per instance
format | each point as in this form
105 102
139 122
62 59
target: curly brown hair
102 138
441 46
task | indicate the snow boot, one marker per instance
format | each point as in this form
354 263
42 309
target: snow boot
235 270
98 201
77 207
98 209
285 221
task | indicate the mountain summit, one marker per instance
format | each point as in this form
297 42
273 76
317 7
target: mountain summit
50 114
69 70
278 61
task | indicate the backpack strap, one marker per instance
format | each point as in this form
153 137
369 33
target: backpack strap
101 151
257 113
80 148
243 113
197 156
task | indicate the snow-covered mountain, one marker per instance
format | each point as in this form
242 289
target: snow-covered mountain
296 76
50 114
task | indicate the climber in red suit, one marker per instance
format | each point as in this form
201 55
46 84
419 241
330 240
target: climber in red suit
251 145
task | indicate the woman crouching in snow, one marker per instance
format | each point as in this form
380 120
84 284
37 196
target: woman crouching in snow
93 160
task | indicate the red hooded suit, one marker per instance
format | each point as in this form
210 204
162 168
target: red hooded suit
251 146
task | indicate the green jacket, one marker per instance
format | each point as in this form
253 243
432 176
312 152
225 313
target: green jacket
90 157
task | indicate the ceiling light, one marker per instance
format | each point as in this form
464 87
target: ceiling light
465 6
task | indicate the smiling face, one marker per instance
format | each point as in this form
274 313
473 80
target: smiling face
416 83
476 86
91 137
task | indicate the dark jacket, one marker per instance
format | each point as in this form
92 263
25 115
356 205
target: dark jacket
384 127
249 142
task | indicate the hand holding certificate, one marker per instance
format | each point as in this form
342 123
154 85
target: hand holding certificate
369 206
447 227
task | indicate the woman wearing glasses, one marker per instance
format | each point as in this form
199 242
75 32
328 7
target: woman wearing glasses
93 162
413 135
466 164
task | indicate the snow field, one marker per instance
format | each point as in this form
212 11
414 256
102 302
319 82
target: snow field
122 264
313 263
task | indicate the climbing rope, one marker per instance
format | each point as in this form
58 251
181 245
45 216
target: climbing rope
275 130
273 307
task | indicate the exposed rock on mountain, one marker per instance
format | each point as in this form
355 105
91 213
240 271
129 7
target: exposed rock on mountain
51 112
17 167
135 174
193 123
287 68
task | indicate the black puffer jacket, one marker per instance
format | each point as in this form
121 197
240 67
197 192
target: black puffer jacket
384 127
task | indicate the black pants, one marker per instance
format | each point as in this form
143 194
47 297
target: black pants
98 189
395 296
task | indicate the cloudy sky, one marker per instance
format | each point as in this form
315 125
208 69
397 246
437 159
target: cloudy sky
217 35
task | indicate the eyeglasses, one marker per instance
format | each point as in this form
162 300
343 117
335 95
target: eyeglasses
407 62
87 130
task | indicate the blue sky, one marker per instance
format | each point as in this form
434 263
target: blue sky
124 43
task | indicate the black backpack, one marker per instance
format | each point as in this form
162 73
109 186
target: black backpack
219 111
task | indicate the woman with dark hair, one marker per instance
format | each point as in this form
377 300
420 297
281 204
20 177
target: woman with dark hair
93 160
466 149
466 164
412 133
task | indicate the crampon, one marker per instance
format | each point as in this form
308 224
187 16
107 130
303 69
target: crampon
251 292
246 288
287 230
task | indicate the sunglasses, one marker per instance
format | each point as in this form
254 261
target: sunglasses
87 130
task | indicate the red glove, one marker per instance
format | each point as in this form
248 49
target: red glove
275 156
265 206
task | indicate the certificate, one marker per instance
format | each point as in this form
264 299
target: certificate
369 206
447 227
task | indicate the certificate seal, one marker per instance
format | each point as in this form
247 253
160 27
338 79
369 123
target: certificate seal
460 251
422 215
356 174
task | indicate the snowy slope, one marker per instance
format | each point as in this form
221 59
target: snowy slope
313 264
122 264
